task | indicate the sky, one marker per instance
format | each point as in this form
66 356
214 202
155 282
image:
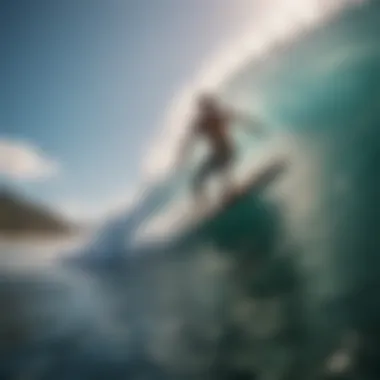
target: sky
86 86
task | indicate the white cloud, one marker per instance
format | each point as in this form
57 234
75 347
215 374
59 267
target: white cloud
276 22
21 160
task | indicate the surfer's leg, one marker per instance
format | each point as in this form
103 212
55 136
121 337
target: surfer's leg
226 171
228 179
205 170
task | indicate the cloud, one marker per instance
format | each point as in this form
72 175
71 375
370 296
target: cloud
23 161
276 23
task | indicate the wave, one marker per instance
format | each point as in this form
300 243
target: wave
278 26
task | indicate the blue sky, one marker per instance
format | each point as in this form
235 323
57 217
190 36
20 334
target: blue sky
87 82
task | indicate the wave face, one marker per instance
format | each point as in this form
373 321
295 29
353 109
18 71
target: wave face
284 286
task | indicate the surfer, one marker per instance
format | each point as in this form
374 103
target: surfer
212 122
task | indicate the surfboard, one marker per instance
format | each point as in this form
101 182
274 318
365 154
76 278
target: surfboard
235 210
254 183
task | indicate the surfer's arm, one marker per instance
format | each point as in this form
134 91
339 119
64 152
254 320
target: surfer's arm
246 119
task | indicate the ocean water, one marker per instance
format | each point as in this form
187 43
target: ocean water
285 286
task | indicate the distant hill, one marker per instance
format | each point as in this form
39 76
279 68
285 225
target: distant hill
21 216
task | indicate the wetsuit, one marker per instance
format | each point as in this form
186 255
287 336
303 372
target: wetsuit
213 127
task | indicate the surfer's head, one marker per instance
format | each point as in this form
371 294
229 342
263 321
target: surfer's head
207 102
